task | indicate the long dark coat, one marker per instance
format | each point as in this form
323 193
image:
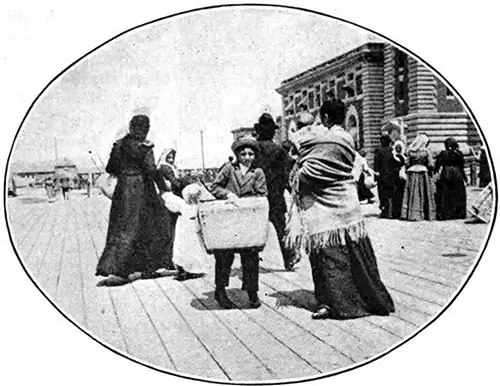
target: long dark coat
138 238
388 181
274 161
451 196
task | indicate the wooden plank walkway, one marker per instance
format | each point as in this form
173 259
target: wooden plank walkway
177 326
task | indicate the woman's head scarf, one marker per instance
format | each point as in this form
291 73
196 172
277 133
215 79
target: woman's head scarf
164 155
420 142
139 127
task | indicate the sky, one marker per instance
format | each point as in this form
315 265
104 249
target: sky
214 70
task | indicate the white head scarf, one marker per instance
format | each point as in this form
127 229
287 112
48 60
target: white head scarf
163 160
419 143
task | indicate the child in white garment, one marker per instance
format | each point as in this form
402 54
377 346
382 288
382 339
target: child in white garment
189 256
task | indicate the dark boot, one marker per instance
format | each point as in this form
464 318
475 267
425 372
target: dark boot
254 299
222 299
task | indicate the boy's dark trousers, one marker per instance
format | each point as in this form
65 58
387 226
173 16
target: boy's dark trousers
250 266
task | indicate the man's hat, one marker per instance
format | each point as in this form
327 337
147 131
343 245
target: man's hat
266 124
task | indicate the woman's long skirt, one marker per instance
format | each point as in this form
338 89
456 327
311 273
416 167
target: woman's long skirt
347 281
139 234
451 197
418 200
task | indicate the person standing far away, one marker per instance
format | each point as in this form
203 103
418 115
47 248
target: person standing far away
451 196
419 202
49 188
65 186
273 159
484 169
385 181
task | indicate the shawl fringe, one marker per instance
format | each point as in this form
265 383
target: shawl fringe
298 236
337 237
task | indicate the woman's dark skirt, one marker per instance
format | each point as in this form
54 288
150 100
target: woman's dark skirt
451 197
140 230
418 200
347 281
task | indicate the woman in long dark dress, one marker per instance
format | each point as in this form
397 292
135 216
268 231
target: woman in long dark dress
346 279
451 198
136 237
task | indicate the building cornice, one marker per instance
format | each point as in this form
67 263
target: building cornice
370 52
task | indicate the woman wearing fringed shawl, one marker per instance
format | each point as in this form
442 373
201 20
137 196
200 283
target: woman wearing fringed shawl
136 237
418 200
347 283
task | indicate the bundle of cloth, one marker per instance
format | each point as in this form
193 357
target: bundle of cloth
325 198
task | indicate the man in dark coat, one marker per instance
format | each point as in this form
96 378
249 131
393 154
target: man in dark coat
274 161
384 167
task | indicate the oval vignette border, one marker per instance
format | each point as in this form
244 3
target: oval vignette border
294 381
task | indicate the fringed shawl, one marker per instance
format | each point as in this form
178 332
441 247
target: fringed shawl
329 213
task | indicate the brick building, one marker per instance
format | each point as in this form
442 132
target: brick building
379 83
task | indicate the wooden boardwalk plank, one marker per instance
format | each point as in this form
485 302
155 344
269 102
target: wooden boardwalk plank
70 276
189 354
238 362
425 290
361 328
142 339
179 326
435 273
17 212
413 309
277 356
41 249
51 266
100 316
22 237
27 248
308 346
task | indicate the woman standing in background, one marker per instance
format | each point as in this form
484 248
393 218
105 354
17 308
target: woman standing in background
451 198
484 168
418 199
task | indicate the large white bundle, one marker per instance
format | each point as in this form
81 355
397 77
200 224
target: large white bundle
107 184
226 225
174 203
